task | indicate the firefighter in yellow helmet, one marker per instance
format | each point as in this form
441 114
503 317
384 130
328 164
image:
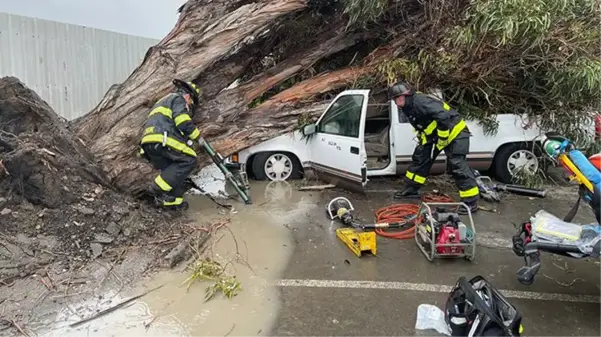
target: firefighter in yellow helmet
167 143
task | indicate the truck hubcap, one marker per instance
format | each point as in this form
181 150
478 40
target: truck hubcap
278 167
522 160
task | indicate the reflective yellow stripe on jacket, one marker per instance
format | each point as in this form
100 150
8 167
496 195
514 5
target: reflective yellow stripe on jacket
456 130
195 134
182 118
171 142
163 111
443 134
450 135
427 132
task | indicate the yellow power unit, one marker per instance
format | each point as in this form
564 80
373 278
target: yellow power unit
358 242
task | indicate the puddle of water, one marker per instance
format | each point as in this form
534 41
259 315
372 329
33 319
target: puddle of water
126 321
262 240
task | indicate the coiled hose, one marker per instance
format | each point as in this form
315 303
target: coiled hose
405 213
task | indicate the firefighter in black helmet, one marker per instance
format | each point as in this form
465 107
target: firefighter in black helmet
167 143
439 127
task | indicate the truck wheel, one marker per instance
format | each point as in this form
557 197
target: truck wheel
276 166
512 158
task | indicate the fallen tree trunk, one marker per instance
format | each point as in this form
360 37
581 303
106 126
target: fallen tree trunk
213 44
206 33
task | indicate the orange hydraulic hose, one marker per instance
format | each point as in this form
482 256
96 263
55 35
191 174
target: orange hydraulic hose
400 213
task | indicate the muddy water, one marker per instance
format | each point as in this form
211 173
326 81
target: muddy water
261 239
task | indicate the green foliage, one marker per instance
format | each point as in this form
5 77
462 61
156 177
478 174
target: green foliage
528 179
364 81
391 70
209 270
576 83
489 123
534 57
229 287
592 148
361 12
503 22
302 121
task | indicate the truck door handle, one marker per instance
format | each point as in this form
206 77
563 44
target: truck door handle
354 150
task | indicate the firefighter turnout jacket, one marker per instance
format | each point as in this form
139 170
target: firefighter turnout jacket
437 124
170 123
433 119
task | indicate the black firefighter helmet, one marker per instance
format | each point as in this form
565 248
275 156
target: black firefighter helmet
398 89
189 88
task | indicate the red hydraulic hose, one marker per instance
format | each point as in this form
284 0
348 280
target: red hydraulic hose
401 212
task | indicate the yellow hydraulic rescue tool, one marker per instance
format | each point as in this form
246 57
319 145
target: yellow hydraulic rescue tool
357 240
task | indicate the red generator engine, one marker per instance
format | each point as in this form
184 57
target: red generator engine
448 240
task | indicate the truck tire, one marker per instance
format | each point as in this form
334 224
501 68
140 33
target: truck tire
510 156
276 166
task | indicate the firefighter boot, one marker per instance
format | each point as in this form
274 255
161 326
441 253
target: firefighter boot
168 202
410 191
155 195
183 206
472 205
174 203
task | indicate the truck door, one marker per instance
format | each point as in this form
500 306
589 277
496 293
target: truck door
337 147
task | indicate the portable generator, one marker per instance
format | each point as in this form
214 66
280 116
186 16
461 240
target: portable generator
441 233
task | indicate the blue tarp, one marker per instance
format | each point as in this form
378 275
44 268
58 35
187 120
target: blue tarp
586 167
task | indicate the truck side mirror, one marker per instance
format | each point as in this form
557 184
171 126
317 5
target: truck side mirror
309 129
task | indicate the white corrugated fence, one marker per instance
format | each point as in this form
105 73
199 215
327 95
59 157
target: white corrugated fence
69 66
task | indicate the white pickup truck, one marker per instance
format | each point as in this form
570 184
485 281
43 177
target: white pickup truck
354 140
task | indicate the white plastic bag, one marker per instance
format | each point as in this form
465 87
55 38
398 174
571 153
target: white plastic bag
431 317
547 226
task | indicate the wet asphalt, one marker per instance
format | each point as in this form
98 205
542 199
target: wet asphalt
341 310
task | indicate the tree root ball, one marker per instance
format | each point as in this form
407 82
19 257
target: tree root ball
40 160
51 186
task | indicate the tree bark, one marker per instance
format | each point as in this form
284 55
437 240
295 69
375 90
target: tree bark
213 44
208 33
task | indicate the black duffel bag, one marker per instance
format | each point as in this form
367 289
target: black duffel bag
477 308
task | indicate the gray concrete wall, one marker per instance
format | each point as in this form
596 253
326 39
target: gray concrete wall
69 66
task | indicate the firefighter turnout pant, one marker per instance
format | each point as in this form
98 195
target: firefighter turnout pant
175 167
456 153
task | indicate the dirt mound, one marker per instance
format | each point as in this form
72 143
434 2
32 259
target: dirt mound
51 186
39 155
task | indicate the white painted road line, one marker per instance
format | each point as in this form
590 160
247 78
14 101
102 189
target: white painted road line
436 288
